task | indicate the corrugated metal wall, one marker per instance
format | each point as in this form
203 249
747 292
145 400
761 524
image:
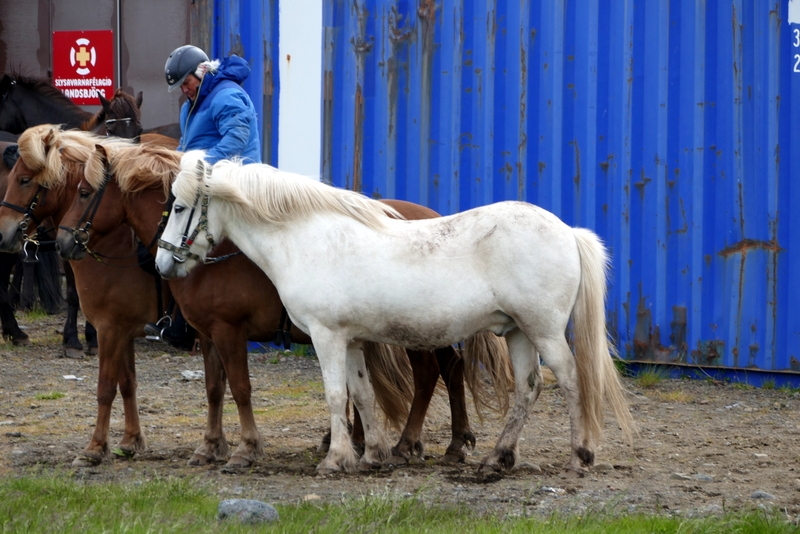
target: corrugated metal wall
670 128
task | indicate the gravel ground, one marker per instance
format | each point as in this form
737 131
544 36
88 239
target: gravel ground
704 446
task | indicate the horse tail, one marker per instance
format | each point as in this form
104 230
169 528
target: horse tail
598 378
486 361
392 380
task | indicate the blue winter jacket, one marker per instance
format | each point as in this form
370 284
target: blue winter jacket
222 121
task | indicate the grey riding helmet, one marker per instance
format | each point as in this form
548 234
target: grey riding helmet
182 62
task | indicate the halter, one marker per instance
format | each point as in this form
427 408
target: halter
81 233
182 252
27 215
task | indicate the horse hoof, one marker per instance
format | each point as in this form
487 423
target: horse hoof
86 460
238 462
91 351
325 471
20 341
365 466
75 354
198 460
396 460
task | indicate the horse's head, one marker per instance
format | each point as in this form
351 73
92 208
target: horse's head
187 237
121 116
46 161
117 171
12 118
87 214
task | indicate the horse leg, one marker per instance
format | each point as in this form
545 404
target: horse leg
232 349
27 295
91 339
528 385
559 358
426 373
451 367
331 352
72 345
360 387
215 446
132 440
111 362
11 329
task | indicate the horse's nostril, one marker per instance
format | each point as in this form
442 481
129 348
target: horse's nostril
58 247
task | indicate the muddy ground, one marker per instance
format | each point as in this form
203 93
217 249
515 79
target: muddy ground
703 447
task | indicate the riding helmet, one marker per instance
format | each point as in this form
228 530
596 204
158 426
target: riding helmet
182 62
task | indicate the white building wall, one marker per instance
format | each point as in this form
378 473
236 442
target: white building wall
300 102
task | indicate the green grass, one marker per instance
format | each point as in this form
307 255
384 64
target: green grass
53 395
651 375
64 504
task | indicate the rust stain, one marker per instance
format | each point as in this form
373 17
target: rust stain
358 121
746 245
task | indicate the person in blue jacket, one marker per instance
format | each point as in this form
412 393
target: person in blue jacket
218 117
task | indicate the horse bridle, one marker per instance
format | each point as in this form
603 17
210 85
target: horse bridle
81 233
27 215
182 253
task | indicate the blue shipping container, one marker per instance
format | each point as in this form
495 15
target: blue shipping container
670 128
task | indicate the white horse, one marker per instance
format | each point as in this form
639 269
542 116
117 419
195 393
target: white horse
346 271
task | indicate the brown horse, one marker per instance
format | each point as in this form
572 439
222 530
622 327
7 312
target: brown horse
249 320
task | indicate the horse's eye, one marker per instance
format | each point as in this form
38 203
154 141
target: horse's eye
84 193
24 180
178 209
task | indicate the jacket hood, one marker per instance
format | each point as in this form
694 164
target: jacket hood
231 68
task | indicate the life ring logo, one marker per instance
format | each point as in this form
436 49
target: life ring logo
83 56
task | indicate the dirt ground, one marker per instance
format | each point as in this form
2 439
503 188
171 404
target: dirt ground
703 446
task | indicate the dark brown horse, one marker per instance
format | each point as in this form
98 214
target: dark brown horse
246 323
10 328
26 102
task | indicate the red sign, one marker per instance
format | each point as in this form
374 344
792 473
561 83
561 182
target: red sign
83 65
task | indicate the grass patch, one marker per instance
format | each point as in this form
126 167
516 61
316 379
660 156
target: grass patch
60 503
53 395
675 396
768 384
651 375
743 386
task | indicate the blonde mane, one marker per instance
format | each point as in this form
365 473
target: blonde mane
52 153
259 193
136 167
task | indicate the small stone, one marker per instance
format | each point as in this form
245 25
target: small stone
761 495
761 457
527 466
703 477
680 476
247 511
602 467
311 497
797 483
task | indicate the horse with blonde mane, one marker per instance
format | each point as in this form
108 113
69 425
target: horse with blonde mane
509 268
228 302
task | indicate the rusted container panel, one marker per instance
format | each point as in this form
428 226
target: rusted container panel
670 128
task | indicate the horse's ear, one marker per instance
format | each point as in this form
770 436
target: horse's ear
201 168
101 151
10 155
105 103
139 100
49 138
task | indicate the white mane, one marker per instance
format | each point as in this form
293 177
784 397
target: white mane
261 193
